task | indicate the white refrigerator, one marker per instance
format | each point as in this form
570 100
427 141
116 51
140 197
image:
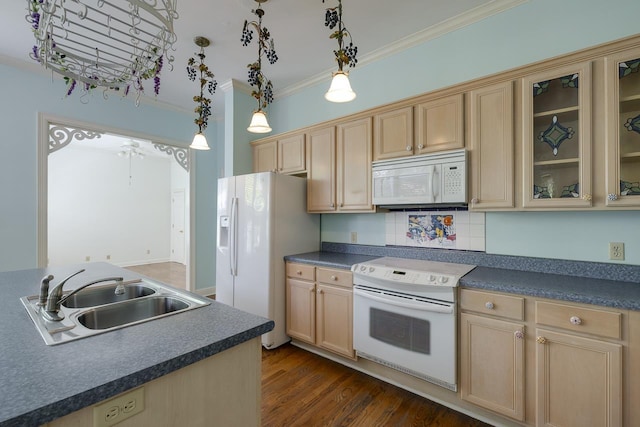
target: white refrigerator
261 218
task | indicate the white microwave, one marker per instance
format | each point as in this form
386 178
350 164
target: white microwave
421 181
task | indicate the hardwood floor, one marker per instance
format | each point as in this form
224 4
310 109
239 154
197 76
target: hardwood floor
300 388
171 273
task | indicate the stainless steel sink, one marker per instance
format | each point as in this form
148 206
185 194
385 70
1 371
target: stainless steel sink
98 310
99 295
129 312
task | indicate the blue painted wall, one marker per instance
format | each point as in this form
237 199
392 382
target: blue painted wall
25 94
533 31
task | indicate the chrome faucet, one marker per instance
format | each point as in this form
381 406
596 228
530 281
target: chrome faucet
55 298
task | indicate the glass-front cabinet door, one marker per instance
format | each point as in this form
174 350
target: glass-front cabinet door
557 138
623 128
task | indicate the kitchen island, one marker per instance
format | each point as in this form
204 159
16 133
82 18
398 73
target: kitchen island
203 363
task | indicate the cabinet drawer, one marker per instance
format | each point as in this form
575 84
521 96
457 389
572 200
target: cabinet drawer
579 319
301 271
335 277
494 304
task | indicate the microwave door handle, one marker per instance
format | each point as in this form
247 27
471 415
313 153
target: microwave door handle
390 299
434 184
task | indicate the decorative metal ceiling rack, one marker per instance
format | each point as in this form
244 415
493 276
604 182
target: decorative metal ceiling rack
104 43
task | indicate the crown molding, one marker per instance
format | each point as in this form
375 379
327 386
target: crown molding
452 24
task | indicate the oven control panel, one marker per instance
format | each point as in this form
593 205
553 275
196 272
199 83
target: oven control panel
402 275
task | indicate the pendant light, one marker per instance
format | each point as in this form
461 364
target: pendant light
263 92
340 89
204 104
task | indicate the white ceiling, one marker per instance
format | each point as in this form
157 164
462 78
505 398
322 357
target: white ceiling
379 27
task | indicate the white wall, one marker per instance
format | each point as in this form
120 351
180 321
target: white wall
96 210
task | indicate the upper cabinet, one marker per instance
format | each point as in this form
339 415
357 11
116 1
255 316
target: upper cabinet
623 128
439 124
339 161
393 133
490 133
284 155
556 138
431 125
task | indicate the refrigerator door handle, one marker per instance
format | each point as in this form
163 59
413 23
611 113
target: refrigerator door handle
233 235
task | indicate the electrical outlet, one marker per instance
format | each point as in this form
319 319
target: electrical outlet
119 408
87 258
616 250
354 237
108 257
148 251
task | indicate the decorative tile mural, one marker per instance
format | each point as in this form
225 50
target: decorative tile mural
461 230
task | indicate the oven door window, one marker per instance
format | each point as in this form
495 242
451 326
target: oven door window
400 330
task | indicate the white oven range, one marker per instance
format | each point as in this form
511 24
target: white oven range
404 316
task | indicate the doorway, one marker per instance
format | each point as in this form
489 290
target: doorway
107 195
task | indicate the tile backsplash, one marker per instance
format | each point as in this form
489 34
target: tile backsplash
460 230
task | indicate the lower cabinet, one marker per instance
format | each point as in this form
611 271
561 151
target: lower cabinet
319 307
492 352
572 366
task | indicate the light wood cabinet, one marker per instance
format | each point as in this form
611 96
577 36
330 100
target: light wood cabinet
393 133
579 380
284 155
320 312
439 124
492 352
556 138
339 168
623 128
491 147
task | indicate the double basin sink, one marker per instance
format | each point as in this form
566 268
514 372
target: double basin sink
99 309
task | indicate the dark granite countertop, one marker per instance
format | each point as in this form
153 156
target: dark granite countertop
565 287
330 259
40 383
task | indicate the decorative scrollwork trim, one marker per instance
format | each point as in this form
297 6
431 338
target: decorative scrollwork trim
60 136
180 155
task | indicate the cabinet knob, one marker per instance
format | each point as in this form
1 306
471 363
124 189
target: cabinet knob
421 146
334 278
408 148
575 320
319 291
299 272
332 205
519 334
541 340
474 201
612 196
488 305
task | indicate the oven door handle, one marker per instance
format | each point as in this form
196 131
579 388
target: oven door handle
390 299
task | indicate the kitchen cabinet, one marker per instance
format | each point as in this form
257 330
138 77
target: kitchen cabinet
339 168
556 138
285 154
492 352
491 147
393 133
439 124
579 378
623 128
319 307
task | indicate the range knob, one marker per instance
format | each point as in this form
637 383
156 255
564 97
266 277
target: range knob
444 279
432 278
372 269
363 268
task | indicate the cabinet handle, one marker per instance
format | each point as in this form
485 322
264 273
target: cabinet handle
408 148
489 305
519 334
575 320
612 197
541 340
474 201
